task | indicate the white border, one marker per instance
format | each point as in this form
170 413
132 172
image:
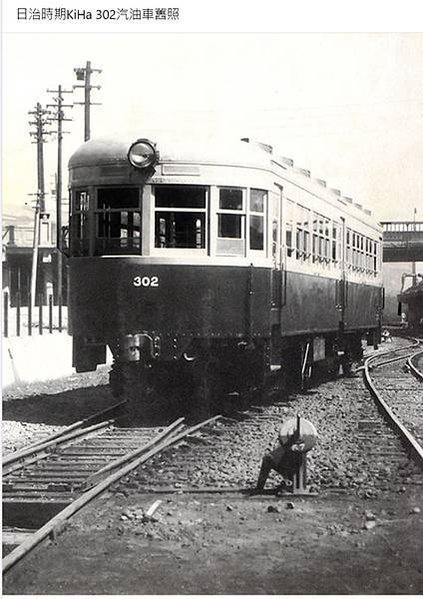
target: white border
231 16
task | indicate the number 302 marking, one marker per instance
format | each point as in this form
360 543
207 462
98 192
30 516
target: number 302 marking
146 281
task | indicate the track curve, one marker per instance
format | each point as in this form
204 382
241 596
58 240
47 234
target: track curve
400 401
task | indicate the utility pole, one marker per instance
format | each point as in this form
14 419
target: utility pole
40 121
413 264
59 117
84 74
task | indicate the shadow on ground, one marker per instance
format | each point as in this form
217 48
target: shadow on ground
60 402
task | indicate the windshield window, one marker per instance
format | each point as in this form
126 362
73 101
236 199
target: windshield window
180 216
118 221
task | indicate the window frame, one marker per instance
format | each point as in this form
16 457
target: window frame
246 215
263 215
242 213
96 211
336 243
84 218
289 208
321 239
154 250
303 236
362 253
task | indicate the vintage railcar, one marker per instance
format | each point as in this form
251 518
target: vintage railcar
412 297
200 260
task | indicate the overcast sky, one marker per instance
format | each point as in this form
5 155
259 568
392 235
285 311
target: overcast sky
349 107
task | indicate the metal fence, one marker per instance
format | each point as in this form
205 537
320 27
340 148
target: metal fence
25 318
402 226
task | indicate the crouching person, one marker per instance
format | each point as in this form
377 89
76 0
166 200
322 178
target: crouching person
296 437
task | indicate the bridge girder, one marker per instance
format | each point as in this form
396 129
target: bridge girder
402 241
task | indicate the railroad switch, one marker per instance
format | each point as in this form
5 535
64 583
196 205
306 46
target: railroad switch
299 482
305 437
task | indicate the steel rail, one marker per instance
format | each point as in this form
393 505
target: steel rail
134 454
390 361
374 357
414 369
412 444
56 523
17 455
416 343
97 476
35 453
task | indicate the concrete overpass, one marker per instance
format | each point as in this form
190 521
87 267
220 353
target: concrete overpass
402 241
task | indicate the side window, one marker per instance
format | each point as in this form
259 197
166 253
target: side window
303 233
377 257
355 246
276 209
357 251
336 243
318 225
231 222
79 234
180 216
289 228
258 200
322 231
371 253
326 241
361 253
368 256
349 248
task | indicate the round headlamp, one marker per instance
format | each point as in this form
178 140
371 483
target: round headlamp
142 154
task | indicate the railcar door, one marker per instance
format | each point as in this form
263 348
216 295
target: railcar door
341 298
278 272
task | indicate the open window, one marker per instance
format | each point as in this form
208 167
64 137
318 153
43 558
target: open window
180 217
79 229
303 234
336 243
118 221
321 239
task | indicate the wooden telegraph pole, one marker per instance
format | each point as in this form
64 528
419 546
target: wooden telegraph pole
84 74
413 264
59 117
41 119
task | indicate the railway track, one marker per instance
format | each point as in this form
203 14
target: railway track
398 395
390 429
415 364
358 449
84 461
45 484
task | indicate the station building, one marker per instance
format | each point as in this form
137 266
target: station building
17 258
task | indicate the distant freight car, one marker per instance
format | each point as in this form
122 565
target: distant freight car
214 263
413 299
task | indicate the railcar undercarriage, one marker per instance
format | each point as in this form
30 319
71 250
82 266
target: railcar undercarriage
223 375
210 376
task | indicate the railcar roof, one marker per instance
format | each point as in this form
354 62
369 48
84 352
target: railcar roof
112 151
